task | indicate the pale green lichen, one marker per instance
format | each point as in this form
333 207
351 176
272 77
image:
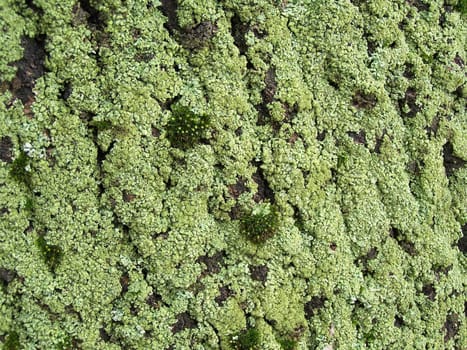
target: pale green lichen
346 119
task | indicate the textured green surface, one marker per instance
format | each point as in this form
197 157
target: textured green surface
119 230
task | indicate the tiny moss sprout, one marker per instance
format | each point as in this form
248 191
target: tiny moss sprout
186 128
260 224
51 254
248 339
287 344
19 169
12 341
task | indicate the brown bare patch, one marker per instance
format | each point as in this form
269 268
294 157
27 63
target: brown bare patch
406 245
451 327
264 191
462 242
169 9
418 4
432 130
197 36
379 142
238 188
293 138
313 305
363 260
459 61
6 149
450 161
259 273
398 321
359 138
29 69
238 31
128 196
429 291
362 100
410 100
6 275
409 72
184 321
224 293
124 281
154 300
213 263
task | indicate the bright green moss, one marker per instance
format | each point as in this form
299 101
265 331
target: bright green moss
51 254
12 341
19 169
260 224
248 339
185 128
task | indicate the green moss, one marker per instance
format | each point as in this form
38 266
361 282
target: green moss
185 128
51 254
12 341
260 224
19 169
288 344
248 339
462 6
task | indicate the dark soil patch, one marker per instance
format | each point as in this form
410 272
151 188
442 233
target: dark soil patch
321 135
313 305
34 7
154 300
462 242
29 69
169 9
409 71
128 196
418 4
259 273
238 188
290 111
363 260
459 61
66 91
451 327
91 15
213 263
267 96
359 138
197 36
238 31
362 100
6 276
104 335
429 291
398 321
432 129
235 212
224 293
379 142
6 149
410 100
264 191
450 161
406 245
124 282
184 321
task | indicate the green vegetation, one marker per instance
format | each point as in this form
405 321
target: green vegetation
52 254
185 128
261 223
249 339
172 170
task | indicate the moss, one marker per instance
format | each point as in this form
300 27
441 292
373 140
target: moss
249 339
51 254
288 344
12 341
19 169
185 128
260 224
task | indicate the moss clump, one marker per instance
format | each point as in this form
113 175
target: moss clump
248 339
51 254
12 341
260 224
186 128
287 344
18 169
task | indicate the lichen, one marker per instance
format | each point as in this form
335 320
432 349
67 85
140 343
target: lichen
233 174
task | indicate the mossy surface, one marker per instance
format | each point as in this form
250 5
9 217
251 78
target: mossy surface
183 174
